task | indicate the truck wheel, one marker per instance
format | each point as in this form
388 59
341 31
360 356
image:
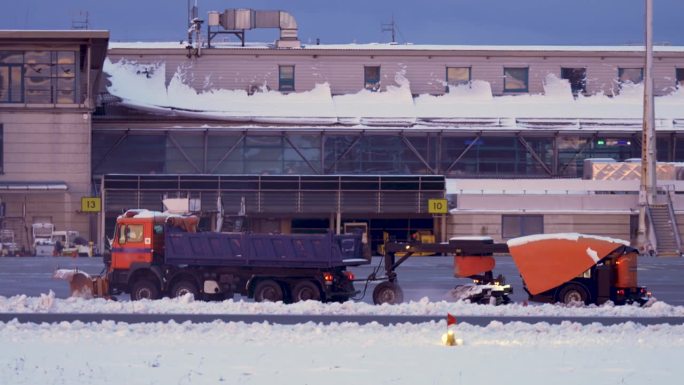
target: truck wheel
573 294
184 287
144 289
268 291
305 291
388 292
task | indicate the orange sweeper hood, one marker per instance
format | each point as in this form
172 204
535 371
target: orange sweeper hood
546 261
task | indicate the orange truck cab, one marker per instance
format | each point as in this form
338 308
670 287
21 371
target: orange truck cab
137 245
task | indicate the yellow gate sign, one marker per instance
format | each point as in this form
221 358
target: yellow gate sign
437 206
90 204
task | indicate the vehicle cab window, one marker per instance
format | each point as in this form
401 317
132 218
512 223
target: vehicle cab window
130 233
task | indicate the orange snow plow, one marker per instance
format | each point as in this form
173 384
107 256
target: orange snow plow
577 268
82 285
566 268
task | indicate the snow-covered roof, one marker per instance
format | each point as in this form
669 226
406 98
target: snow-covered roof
470 106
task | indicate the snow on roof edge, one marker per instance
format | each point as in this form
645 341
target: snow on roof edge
566 236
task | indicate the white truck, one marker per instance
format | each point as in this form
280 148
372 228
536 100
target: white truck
43 246
70 243
48 242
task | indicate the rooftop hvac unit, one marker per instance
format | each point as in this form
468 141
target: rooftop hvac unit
214 19
237 21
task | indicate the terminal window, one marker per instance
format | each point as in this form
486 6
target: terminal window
371 78
10 83
577 77
42 77
513 226
516 79
456 76
286 78
630 75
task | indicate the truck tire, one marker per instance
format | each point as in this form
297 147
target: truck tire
268 290
305 290
144 289
388 292
573 294
184 287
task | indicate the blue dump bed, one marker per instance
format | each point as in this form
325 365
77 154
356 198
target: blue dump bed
261 250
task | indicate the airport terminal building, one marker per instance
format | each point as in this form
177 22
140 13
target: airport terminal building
313 137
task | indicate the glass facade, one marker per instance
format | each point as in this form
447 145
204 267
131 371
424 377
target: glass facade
457 155
39 77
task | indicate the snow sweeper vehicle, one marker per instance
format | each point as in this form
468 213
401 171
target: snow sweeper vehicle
565 268
155 254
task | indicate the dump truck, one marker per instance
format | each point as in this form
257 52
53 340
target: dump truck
566 268
155 254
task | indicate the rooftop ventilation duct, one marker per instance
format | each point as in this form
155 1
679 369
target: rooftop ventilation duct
237 21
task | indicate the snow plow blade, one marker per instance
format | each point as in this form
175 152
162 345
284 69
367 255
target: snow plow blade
548 260
82 285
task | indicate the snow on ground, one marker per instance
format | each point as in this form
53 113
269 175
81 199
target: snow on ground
47 303
338 353
346 353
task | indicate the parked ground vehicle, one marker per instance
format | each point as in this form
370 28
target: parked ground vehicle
562 268
42 239
155 255
70 243
7 244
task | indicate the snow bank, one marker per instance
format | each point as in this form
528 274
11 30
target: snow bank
47 303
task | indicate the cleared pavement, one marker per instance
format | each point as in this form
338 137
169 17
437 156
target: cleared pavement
419 277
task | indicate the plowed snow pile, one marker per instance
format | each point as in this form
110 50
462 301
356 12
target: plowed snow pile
47 303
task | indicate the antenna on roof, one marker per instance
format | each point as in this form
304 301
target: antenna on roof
390 27
194 27
80 21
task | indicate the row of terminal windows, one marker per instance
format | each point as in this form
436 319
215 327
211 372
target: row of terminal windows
38 77
516 79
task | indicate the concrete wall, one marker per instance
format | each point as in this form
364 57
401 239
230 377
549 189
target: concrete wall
426 70
603 202
51 145
489 224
